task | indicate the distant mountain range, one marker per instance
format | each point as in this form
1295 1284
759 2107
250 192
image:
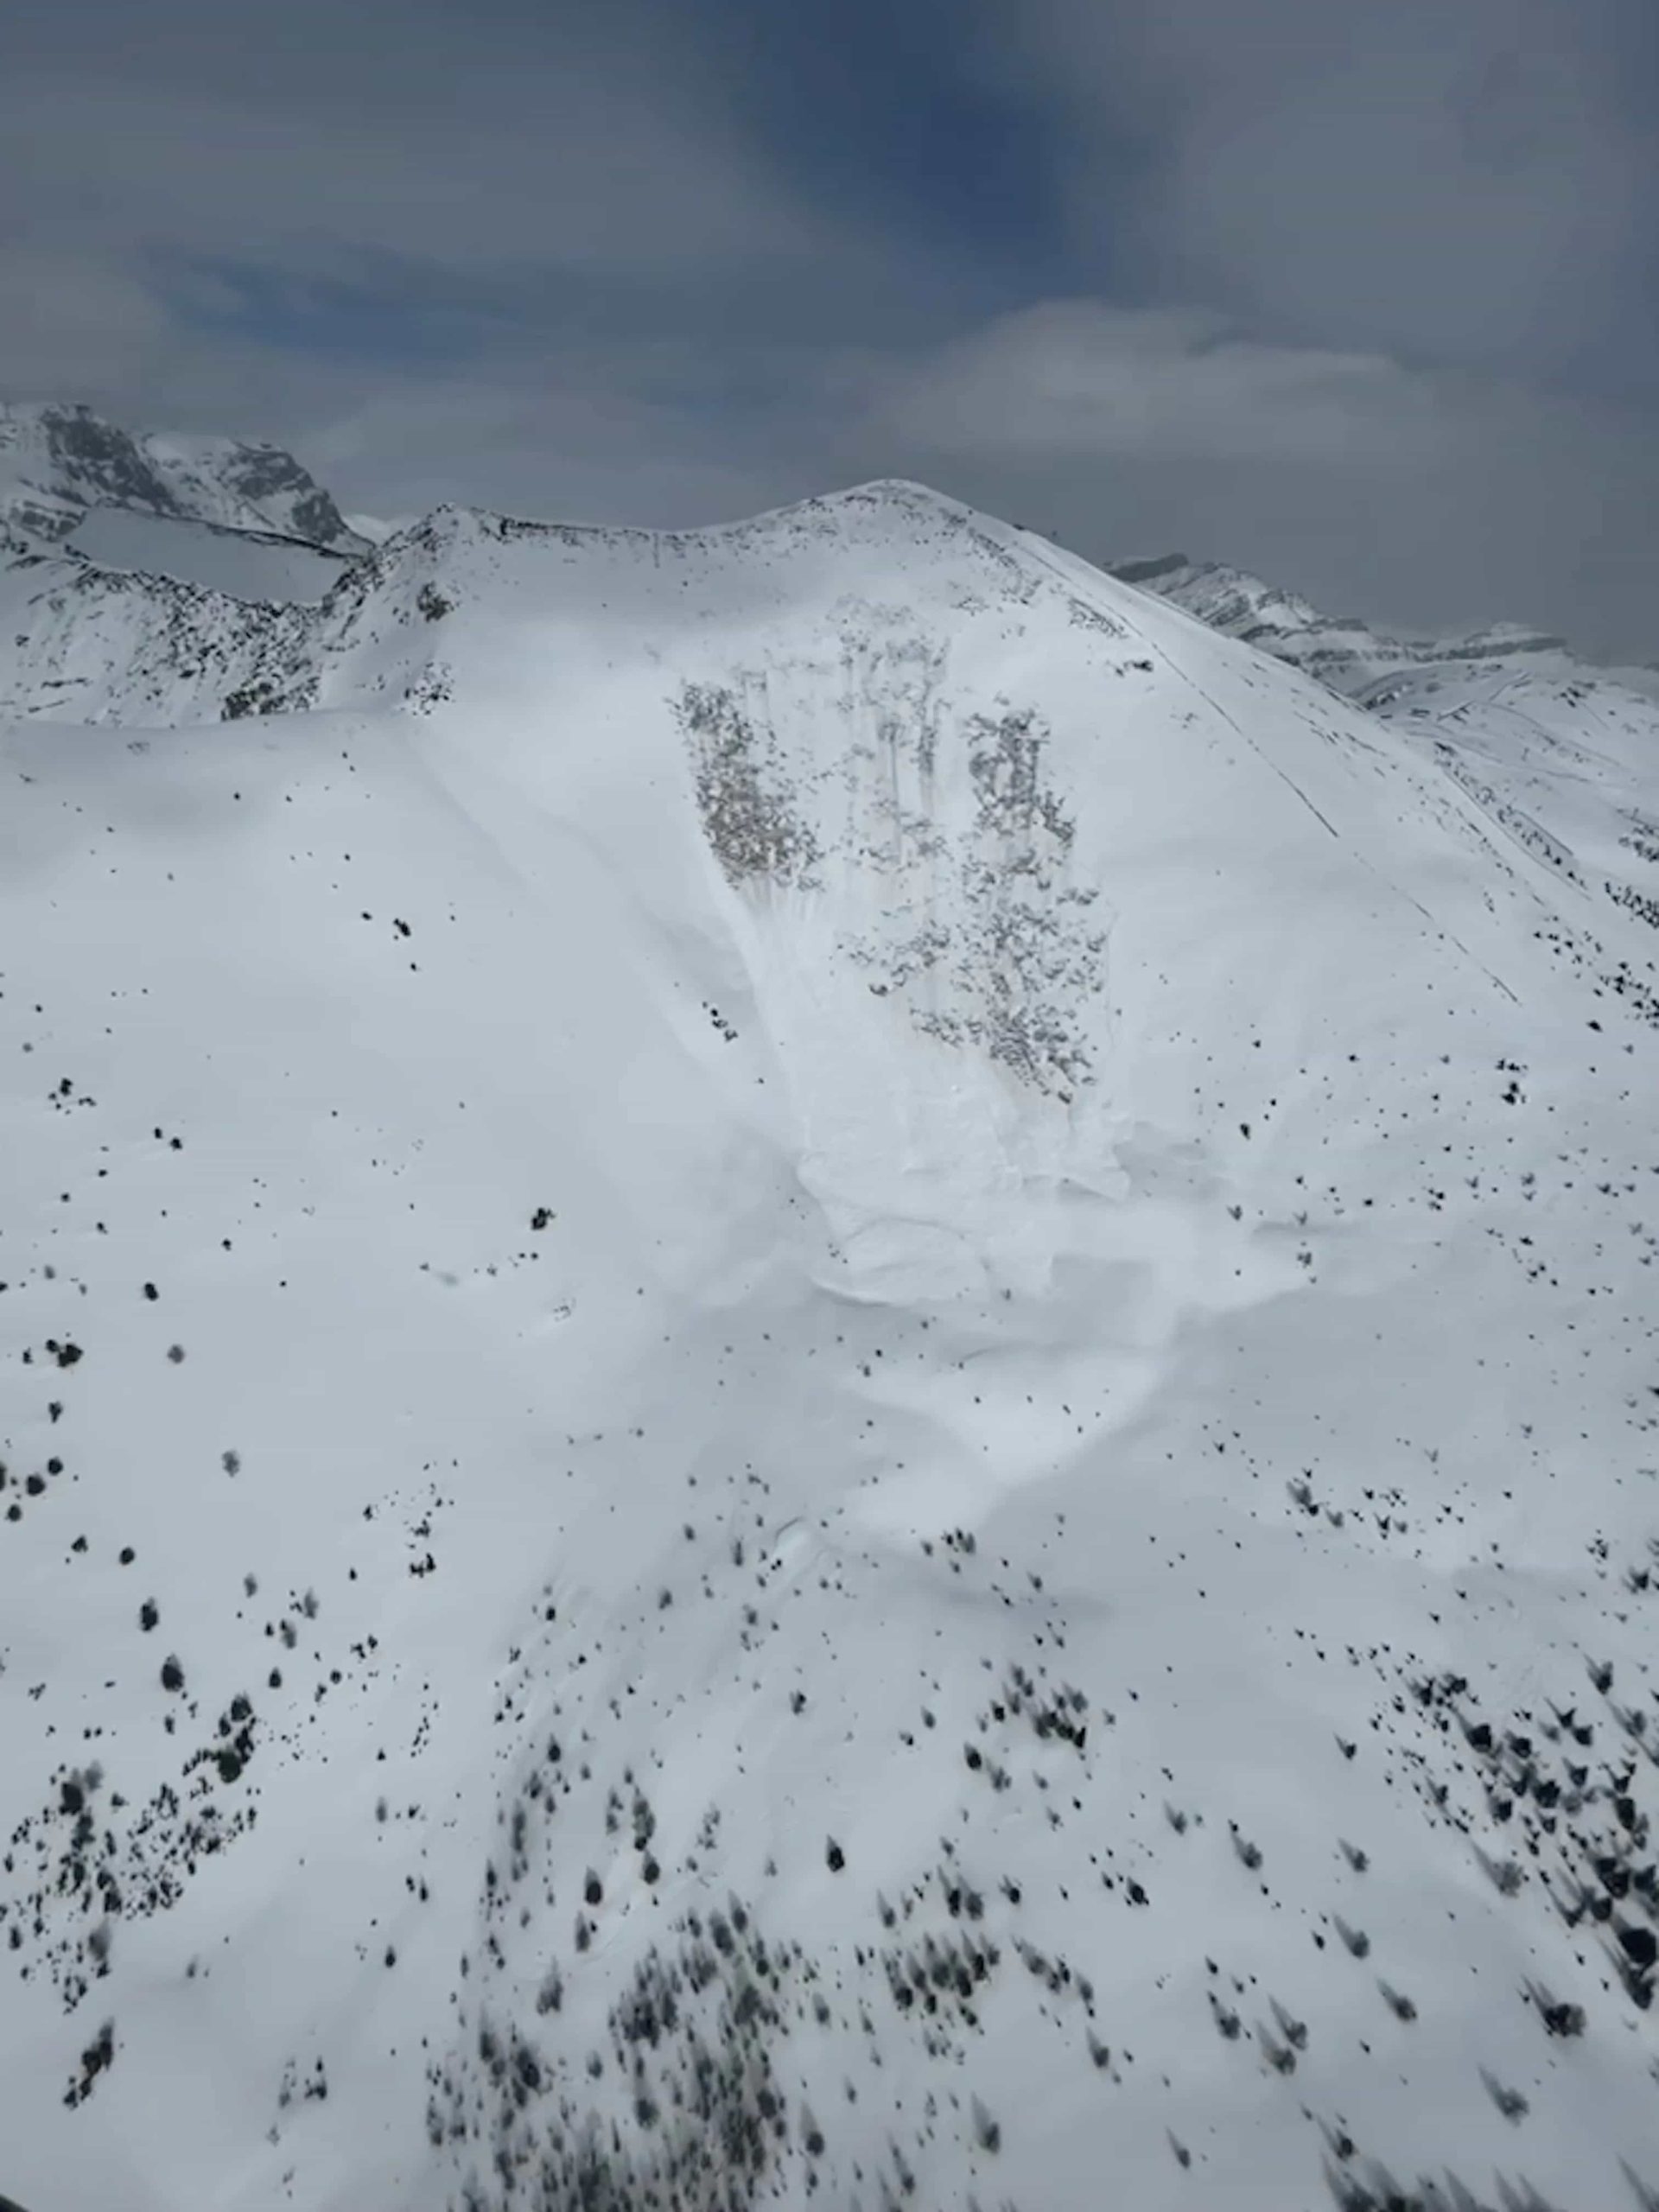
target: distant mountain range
1344 652
58 462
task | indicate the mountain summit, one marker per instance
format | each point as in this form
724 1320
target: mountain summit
827 1378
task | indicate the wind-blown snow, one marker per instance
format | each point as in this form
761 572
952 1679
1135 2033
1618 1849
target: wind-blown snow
875 1333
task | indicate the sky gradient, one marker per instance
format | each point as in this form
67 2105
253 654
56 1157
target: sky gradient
1361 295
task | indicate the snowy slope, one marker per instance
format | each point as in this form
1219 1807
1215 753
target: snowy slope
827 1378
58 461
240 562
87 644
1561 758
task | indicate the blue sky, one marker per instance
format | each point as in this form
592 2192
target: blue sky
1361 293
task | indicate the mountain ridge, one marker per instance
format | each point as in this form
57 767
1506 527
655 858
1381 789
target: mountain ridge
826 1379
1332 646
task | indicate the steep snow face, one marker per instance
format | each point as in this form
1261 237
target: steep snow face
223 481
56 462
1561 758
827 1376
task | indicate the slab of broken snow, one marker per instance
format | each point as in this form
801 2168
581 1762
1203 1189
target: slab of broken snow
827 1376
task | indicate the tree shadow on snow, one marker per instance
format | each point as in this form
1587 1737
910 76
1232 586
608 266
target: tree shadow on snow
1367 2185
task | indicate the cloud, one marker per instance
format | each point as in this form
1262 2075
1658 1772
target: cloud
1083 379
1427 498
569 448
1476 183
590 176
408 180
80 309
1356 295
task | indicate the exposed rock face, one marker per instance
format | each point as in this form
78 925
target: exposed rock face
58 461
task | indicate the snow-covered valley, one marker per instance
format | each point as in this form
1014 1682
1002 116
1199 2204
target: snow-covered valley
827 1375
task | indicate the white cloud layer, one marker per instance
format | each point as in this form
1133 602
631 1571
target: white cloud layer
1084 380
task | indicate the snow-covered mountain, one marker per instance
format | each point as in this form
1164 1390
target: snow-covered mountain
827 1374
1341 650
59 462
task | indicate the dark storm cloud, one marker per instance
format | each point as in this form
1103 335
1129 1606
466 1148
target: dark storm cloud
1360 293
